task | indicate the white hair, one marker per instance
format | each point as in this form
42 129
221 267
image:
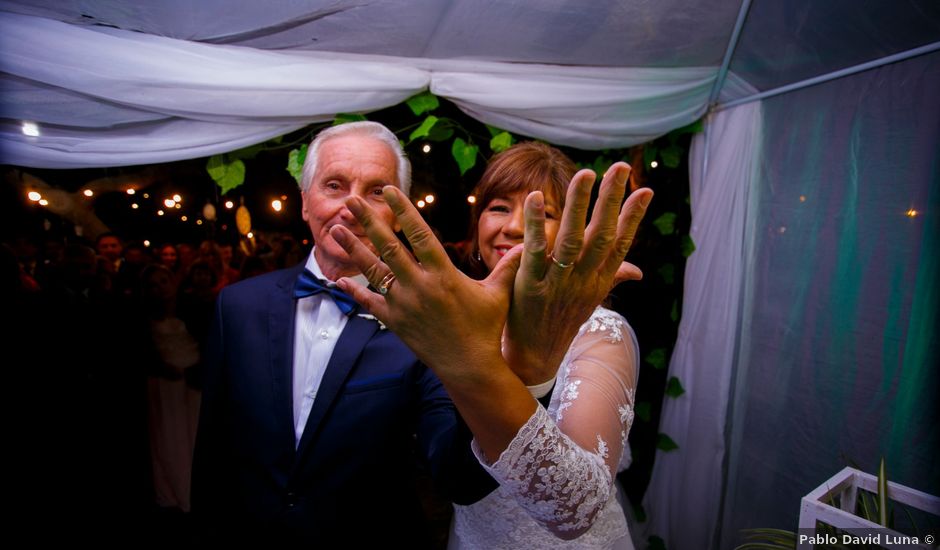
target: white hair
366 128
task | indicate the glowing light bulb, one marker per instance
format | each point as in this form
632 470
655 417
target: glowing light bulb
229 204
421 204
183 218
426 148
146 243
34 196
471 199
177 198
131 191
88 193
135 206
250 235
276 205
43 202
429 199
198 222
911 213
169 203
159 212
30 129
654 164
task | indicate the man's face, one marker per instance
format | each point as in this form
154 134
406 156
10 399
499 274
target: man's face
110 248
349 165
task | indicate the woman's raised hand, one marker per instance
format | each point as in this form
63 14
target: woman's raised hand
556 290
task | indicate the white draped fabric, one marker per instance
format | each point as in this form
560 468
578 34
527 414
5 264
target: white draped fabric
104 96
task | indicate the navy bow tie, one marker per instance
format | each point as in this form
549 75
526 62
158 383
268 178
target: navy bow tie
309 284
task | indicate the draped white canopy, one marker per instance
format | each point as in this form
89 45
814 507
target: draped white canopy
808 327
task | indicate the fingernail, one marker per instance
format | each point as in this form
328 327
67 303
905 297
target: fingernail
645 201
354 205
538 200
339 235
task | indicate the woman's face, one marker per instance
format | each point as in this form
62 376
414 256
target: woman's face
169 256
502 225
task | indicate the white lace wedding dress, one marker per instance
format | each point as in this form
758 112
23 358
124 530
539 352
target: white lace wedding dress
557 476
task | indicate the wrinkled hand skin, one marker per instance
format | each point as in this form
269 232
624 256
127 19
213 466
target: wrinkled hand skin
550 303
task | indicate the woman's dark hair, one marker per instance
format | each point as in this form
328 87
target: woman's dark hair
527 166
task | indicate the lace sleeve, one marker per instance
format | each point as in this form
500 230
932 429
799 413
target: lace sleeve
561 470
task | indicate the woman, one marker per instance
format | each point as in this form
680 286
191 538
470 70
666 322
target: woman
555 467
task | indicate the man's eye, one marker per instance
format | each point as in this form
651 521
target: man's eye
332 185
378 192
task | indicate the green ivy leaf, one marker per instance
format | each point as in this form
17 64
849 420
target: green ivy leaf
501 142
674 387
674 314
656 543
227 174
649 154
494 131
687 246
343 118
668 273
639 513
643 410
246 152
601 164
666 223
295 162
442 131
657 358
465 154
422 103
671 156
424 129
665 443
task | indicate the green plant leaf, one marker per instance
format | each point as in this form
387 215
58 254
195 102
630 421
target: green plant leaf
666 223
667 272
655 543
674 314
441 131
424 129
656 358
295 161
642 410
422 103
665 443
687 246
343 118
639 513
601 164
501 142
649 154
227 174
465 154
671 156
674 387
494 131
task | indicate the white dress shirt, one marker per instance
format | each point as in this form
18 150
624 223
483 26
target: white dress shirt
318 323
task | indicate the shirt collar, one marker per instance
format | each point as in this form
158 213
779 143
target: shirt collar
314 268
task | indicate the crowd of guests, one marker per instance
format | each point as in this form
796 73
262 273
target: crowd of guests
108 338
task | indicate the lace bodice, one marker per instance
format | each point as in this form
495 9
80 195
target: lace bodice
557 475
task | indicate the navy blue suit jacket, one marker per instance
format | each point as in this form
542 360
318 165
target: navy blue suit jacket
351 477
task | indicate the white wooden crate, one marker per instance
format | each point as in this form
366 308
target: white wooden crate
846 484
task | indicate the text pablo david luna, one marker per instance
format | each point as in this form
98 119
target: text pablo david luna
845 538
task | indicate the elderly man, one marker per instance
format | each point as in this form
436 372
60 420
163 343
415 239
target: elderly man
310 407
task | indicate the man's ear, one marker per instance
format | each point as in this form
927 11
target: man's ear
303 206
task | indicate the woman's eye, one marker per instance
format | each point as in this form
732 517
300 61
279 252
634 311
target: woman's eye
498 208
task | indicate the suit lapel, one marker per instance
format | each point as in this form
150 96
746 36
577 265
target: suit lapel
281 335
355 336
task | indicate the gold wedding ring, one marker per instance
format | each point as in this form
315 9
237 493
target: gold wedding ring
555 261
386 283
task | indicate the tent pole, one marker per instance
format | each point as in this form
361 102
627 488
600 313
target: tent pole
832 76
732 44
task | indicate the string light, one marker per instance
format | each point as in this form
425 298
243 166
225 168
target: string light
30 129
429 199
33 196
159 212
183 218
802 198
229 204
654 164
911 213
43 202
131 191
135 206
177 198
276 205
146 243
421 204
178 205
198 222
169 203
426 148
146 195
471 199
250 235
88 192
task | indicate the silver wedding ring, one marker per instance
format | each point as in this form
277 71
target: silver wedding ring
386 283
555 261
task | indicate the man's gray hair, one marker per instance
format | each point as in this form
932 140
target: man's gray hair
360 128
